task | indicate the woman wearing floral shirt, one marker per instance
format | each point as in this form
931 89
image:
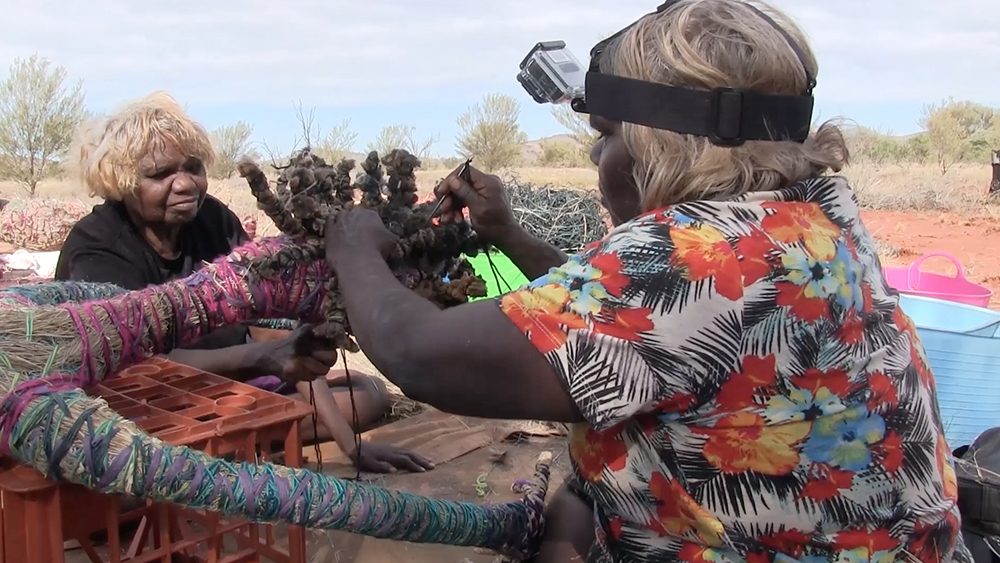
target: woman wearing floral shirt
743 384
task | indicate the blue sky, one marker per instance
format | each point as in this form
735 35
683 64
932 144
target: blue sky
381 62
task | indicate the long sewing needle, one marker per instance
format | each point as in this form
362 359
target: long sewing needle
463 174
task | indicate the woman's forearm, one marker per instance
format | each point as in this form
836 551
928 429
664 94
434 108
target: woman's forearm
533 256
329 414
469 360
241 362
383 312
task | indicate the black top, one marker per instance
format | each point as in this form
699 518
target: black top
106 247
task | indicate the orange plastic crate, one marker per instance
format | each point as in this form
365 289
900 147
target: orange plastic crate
181 406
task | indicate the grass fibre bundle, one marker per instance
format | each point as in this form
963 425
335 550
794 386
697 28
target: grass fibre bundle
567 218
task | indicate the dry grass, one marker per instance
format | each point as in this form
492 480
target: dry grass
235 194
922 188
889 188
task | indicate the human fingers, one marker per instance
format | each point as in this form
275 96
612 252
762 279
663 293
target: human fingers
404 461
476 177
302 338
314 366
465 192
304 369
443 186
294 372
327 357
375 465
453 213
381 467
420 460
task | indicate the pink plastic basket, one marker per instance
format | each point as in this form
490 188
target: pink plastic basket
936 286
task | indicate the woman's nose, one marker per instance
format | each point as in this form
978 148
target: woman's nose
184 183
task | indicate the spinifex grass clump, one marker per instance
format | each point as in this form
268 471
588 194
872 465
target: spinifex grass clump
309 191
567 218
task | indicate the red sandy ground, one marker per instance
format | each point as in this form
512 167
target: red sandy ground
975 242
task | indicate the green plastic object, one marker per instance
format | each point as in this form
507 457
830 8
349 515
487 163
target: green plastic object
508 272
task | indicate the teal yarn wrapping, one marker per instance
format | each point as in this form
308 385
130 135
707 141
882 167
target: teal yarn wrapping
50 424
277 324
76 438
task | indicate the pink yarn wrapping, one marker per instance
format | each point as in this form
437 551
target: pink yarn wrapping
220 294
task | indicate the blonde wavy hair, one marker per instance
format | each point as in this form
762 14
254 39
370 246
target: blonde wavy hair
708 44
106 152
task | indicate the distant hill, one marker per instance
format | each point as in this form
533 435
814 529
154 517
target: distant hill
850 130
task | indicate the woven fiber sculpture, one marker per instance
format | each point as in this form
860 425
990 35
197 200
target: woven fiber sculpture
59 338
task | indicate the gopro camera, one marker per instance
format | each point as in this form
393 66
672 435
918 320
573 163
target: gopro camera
551 74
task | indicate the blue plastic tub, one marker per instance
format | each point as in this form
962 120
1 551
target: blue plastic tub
962 343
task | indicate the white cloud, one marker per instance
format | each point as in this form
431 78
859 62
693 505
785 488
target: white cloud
904 51
348 52
327 53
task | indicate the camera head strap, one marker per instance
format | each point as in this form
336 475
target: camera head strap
726 116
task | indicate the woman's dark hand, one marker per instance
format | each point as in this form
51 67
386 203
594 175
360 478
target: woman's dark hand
379 458
302 356
489 207
357 229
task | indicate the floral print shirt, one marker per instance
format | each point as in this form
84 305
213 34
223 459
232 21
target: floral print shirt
752 390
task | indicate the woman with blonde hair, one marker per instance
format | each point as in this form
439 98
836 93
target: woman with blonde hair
148 163
741 382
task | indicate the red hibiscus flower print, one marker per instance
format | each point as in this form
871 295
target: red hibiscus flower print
788 542
703 253
539 314
852 329
615 525
593 451
741 442
807 309
678 402
626 324
756 379
883 392
757 255
926 545
826 482
793 223
835 381
610 277
679 515
890 452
